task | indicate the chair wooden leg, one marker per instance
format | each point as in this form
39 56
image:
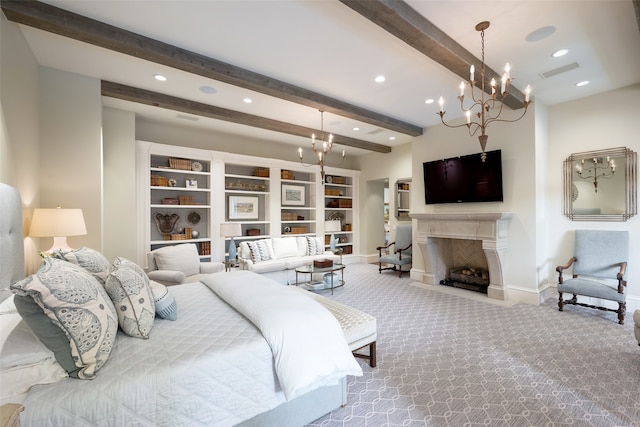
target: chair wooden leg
622 307
560 304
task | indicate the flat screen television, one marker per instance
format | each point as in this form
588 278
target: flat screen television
465 179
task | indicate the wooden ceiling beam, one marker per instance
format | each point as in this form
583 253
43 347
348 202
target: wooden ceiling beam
155 99
59 21
399 19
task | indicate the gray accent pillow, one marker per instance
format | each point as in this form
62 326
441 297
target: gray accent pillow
166 306
128 288
77 303
261 250
47 332
316 245
89 259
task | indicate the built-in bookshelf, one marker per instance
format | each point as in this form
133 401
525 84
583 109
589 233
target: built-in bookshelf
403 192
192 191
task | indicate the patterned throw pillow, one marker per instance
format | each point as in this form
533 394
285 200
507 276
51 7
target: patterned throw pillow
260 250
128 288
166 306
89 259
77 303
316 245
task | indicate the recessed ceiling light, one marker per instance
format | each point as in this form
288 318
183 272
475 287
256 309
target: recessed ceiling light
380 79
248 100
429 101
159 77
559 53
392 138
582 83
208 90
356 129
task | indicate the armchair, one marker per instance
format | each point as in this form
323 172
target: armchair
401 255
599 267
172 265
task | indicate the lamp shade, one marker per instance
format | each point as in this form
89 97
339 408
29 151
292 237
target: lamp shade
57 223
332 226
230 229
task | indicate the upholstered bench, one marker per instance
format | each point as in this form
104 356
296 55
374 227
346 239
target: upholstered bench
359 327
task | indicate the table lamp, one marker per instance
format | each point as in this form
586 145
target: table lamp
332 227
57 223
231 230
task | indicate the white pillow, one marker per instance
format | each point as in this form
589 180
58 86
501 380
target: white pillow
284 247
303 248
316 245
128 288
245 252
261 250
19 346
183 257
166 306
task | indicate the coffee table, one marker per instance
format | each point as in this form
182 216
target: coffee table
320 285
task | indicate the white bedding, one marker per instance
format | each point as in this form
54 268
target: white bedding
180 376
306 340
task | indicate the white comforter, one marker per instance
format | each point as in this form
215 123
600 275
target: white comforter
306 340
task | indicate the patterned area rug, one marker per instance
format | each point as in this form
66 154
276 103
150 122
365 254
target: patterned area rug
447 360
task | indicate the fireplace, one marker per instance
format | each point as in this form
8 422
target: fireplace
447 240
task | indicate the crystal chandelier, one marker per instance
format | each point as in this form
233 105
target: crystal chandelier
600 169
486 108
321 148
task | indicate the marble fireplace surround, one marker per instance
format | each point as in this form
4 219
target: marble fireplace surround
490 228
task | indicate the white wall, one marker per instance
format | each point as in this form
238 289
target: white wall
19 131
71 150
119 146
517 142
377 167
599 122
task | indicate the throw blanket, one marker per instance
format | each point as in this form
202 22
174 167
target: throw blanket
307 342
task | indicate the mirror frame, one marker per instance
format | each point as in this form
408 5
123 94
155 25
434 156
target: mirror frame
630 184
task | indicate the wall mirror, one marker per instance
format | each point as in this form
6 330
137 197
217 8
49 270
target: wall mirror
600 185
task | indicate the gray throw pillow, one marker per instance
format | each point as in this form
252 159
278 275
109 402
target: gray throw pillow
89 259
166 306
47 332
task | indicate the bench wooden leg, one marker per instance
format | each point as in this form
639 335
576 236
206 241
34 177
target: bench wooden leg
371 357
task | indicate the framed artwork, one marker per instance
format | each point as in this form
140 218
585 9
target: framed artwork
293 195
243 207
191 183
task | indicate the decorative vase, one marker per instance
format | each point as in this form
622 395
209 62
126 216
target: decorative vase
327 279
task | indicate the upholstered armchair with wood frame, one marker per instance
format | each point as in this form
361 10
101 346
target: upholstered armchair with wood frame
599 267
400 256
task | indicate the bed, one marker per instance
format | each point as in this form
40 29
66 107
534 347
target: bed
210 367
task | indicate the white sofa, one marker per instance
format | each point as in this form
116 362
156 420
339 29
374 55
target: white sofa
278 257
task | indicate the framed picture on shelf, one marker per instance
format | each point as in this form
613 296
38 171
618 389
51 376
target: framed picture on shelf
243 207
293 195
191 183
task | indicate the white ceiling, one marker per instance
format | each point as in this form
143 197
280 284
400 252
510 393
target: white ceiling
326 47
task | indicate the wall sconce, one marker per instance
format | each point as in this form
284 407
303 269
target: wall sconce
57 223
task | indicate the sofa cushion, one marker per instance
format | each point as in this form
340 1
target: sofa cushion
284 247
270 265
303 247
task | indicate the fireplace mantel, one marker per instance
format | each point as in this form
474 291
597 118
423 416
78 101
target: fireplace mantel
489 227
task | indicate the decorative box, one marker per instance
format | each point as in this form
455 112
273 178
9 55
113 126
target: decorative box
346 227
170 201
159 181
185 200
253 231
323 263
285 174
331 192
289 216
298 230
344 203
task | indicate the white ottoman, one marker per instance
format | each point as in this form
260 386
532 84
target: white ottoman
359 327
